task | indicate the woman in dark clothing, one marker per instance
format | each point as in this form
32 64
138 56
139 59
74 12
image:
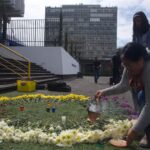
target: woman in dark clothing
141 35
136 78
141 29
116 68
97 67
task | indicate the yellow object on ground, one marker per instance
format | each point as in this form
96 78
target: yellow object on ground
50 104
26 85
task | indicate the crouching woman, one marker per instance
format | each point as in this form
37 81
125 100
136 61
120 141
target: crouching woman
136 78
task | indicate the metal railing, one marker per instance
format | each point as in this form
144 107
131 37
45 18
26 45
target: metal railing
43 32
29 32
28 73
33 32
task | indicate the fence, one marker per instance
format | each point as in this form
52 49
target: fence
26 32
39 32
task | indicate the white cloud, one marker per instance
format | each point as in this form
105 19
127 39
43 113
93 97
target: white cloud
145 4
126 10
124 34
35 9
121 3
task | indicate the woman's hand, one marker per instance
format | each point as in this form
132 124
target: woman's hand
99 94
131 136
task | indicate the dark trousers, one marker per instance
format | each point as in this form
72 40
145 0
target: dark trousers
141 103
96 75
141 99
116 75
147 132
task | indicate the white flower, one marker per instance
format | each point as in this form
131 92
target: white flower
66 138
59 128
51 129
43 138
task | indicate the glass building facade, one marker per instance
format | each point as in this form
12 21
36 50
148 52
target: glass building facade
90 30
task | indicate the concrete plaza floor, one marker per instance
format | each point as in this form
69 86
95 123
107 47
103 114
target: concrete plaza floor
86 86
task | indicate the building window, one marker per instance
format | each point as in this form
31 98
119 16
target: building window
94 19
53 19
55 10
71 29
81 20
68 19
101 15
93 10
68 10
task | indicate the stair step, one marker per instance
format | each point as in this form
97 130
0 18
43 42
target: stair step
8 85
14 61
8 78
13 80
32 71
14 68
47 80
8 88
26 77
23 74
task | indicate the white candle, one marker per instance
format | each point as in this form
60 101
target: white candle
63 118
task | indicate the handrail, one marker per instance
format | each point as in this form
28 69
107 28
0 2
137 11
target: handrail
14 59
12 70
18 54
12 64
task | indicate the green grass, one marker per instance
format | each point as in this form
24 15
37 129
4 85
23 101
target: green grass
31 146
36 112
16 93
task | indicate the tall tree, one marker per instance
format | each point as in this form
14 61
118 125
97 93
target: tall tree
60 28
66 41
55 42
75 51
71 48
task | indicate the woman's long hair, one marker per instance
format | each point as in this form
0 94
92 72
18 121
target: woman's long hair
144 25
134 51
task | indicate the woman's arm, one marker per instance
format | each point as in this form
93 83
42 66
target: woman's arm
121 87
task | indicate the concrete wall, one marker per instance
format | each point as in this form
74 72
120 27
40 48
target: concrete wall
69 64
54 59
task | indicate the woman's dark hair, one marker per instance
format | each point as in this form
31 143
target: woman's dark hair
134 51
144 25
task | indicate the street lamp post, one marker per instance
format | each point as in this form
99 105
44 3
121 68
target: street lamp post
4 25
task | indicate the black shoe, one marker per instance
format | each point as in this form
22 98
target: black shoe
146 146
144 143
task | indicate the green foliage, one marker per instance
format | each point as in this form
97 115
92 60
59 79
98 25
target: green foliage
36 116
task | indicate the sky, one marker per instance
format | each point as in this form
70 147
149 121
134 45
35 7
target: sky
35 9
